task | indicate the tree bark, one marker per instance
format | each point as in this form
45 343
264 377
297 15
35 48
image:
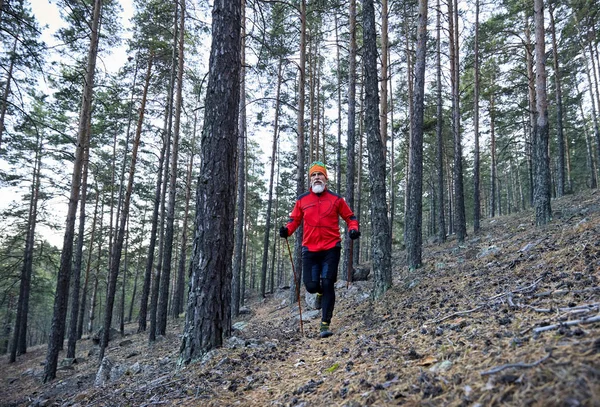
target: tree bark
64 273
76 284
541 189
263 281
441 218
238 260
350 143
300 175
476 153
381 242
208 317
163 300
118 248
460 222
414 209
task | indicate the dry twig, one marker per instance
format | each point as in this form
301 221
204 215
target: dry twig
568 323
515 365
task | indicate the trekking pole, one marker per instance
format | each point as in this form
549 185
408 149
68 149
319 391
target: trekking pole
350 260
297 284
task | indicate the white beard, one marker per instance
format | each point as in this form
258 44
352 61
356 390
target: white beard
317 188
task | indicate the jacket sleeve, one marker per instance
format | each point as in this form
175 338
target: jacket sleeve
295 218
348 216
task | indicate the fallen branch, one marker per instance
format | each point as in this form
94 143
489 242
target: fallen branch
568 323
516 365
563 292
531 287
457 314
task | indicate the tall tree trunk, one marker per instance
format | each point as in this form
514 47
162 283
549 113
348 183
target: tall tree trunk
460 223
19 343
300 175
383 102
179 295
541 190
208 317
532 104
560 139
476 155
93 301
88 266
118 248
441 219
339 103
263 280
143 315
414 209
381 242
163 300
238 259
493 163
64 273
76 284
350 143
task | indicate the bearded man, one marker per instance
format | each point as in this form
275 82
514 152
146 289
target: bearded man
319 211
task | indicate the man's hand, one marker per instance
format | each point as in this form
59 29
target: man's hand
354 234
283 232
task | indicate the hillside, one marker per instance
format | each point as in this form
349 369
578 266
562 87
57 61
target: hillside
488 322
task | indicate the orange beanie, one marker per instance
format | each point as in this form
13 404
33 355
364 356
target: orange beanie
317 166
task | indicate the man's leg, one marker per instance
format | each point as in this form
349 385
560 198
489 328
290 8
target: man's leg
311 271
331 260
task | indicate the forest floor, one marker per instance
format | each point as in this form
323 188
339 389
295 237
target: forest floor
510 317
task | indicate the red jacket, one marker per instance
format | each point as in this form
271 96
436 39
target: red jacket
321 213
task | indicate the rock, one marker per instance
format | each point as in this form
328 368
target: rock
308 315
244 310
488 251
103 374
239 326
361 272
311 301
135 368
111 335
235 342
126 342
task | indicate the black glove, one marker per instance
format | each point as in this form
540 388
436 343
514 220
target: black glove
354 234
283 232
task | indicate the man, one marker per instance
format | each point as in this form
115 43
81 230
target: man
320 210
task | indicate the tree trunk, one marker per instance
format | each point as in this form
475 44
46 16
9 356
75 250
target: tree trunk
560 139
460 223
414 209
82 303
19 343
350 152
541 190
383 102
300 175
532 104
238 260
493 165
118 247
263 280
441 219
163 300
381 243
208 317
76 284
64 273
476 155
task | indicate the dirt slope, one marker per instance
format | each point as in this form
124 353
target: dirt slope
488 322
